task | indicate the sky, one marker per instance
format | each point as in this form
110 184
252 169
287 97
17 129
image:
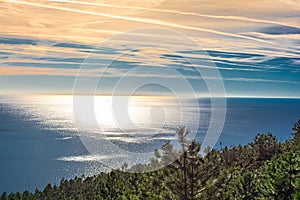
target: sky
254 46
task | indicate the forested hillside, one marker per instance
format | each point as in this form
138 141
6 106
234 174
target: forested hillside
263 169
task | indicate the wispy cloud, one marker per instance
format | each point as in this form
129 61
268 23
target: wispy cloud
251 43
228 17
279 30
140 20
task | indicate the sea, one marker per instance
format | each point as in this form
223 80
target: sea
43 141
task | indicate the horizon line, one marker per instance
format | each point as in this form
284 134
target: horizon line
150 95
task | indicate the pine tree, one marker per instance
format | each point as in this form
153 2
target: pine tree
296 134
183 176
281 178
245 187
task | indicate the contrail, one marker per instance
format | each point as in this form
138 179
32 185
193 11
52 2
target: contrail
228 17
142 20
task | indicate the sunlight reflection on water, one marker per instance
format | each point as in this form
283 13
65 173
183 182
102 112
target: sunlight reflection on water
153 119
55 112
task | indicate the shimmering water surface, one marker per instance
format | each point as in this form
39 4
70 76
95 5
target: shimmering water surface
40 141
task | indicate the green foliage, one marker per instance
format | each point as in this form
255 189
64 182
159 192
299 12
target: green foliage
280 179
245 186
262 169
296 135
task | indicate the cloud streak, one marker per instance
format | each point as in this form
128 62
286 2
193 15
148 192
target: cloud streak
227 17
142 20
253 44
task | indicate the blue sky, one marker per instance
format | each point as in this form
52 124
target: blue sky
254 44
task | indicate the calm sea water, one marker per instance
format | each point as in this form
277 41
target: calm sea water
40 143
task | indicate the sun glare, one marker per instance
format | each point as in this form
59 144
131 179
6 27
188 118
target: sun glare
111 112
